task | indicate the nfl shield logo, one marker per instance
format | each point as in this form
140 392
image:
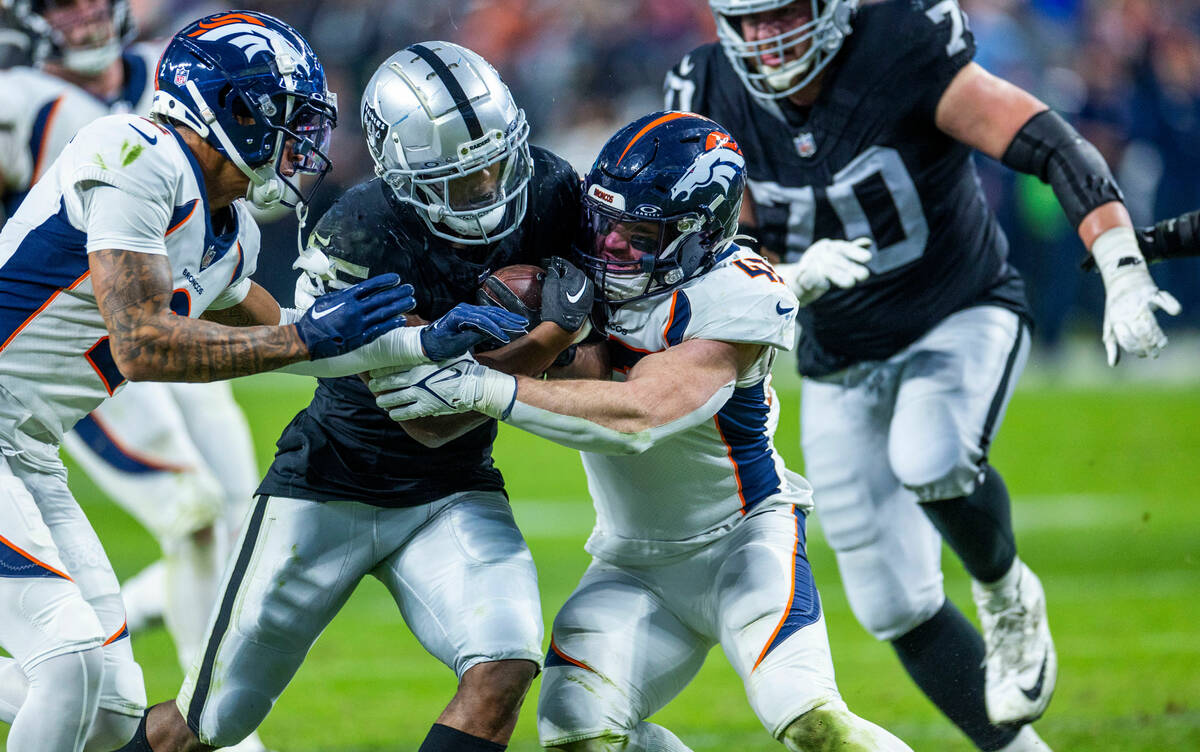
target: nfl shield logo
181 74
806 145
209 256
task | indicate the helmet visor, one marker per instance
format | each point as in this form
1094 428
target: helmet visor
310 131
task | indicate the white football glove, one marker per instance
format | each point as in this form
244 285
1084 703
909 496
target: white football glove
456 386
827 262
1130 297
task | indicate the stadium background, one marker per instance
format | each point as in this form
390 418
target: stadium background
1099 461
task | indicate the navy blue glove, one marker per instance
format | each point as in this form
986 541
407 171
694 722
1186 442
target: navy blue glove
466 326
341 321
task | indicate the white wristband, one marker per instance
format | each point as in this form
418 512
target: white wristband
289 316
1116 251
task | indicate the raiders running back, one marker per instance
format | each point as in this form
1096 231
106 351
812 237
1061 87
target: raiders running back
861 164
342 446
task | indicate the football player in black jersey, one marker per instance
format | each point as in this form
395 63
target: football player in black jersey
857 121
423 509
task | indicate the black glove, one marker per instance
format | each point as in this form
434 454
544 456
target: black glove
566 294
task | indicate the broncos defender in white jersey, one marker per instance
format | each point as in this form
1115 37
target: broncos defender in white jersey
700 530
178 457
134 232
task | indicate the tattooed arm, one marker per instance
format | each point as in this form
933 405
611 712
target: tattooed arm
150 343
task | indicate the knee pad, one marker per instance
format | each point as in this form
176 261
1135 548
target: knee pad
942 468
833 726
889 601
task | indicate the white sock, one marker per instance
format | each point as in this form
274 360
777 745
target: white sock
1027 741
144 595
648 737
60 705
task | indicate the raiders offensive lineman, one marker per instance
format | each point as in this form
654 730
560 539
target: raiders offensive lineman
460 192
858 124
178 457
699 535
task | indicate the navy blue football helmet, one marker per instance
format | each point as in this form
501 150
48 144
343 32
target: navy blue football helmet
659 203
253 88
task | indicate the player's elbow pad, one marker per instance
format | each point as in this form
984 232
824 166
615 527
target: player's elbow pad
1048 147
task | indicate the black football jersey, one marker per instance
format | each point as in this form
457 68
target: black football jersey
867 160
343 446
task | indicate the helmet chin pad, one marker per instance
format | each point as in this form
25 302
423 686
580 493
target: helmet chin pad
92 60
477 226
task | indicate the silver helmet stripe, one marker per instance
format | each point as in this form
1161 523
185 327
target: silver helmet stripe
453 87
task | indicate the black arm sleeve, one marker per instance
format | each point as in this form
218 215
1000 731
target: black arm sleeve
1048 147
1171 238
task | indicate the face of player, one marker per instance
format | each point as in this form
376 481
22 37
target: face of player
774 23
83 24
623 242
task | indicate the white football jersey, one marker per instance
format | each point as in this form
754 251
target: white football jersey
56 364
40 113
695 485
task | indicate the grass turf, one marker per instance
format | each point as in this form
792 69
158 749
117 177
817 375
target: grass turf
1105 497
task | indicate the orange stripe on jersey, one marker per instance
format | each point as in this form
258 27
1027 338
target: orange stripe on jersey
670 318
237 269
225 20
737 475
568 658
32 558
151 462
787 607
651 126
183 221
118 634
40 160
49 300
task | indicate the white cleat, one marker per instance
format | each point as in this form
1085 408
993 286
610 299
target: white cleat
1021 665
250 744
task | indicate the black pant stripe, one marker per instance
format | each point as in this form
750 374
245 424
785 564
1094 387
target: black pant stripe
204 680
998 399
453 87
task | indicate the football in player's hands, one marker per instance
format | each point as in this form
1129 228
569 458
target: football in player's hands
516 288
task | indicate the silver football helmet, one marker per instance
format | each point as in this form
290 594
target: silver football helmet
447 138
803 51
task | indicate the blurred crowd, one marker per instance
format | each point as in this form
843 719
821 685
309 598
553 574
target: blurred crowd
1126 72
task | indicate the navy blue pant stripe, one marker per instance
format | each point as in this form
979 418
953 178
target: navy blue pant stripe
998 399
221 626
453 87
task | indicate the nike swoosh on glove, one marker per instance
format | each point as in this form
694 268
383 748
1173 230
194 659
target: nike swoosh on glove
348 319
1130 297
466 326
458 386
567 295
827 262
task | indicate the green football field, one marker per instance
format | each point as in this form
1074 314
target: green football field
1106 485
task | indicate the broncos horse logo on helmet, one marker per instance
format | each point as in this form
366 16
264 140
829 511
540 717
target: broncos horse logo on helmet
660 203
254 90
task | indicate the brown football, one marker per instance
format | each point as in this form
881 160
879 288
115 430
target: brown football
517 288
